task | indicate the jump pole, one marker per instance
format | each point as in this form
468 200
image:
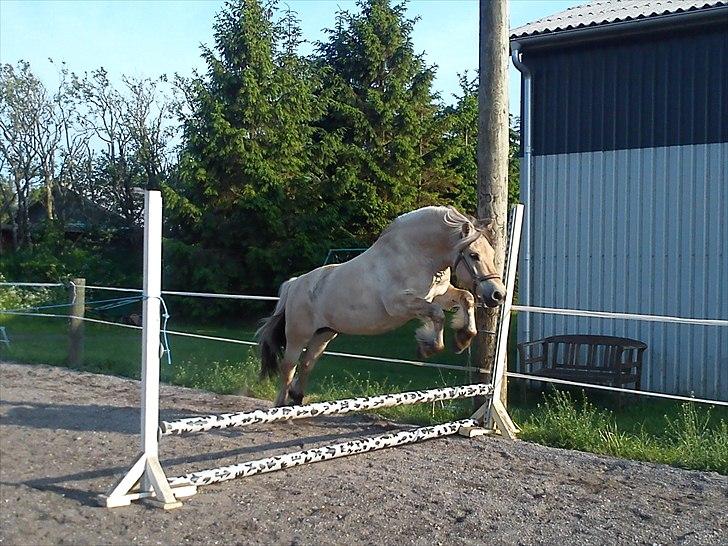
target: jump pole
345 449
205 423
146 479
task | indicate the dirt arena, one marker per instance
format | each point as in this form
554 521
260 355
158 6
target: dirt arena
66 436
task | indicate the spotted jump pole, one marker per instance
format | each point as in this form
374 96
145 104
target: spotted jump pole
146 479
337 407
353 447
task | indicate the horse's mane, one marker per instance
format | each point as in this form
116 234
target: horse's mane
450 216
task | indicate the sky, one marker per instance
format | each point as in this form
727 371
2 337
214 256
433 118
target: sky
147 38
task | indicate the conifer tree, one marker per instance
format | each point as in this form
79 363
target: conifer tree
247 150
381 108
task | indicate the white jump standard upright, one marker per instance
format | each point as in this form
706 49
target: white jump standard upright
146 479
493 411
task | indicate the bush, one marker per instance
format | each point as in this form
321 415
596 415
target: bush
13 297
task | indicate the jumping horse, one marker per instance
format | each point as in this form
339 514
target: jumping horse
405 274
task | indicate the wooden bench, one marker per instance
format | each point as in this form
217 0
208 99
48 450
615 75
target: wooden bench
604 360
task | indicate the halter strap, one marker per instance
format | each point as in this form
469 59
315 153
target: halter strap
474 276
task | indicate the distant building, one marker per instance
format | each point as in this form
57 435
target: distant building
76 213
628 199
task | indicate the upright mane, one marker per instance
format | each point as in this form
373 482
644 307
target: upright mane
456 220
452 218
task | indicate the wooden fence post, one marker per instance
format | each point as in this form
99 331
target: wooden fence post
492 158
77 294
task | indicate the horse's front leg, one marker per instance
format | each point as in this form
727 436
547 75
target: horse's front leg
430 334
405 306
463 322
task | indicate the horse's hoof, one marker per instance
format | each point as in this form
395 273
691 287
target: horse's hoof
424 351
463 339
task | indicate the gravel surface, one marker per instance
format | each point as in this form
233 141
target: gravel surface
66 436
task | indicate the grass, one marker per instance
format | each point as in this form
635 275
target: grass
685 435
230 368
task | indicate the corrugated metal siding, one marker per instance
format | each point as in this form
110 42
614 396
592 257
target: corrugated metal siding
640 231
661 90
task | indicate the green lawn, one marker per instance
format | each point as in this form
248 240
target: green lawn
686 435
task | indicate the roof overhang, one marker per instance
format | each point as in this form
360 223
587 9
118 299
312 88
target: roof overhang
699 18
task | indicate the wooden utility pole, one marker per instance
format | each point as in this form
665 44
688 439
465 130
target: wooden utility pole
77 295
492 154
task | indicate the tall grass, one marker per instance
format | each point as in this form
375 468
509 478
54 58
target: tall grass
692 438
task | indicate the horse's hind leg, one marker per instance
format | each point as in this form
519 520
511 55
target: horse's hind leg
287 368
310 356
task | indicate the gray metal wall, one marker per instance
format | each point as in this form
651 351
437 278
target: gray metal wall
629 204
639 231
655 91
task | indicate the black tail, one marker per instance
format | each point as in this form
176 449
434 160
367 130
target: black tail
272 341
272 336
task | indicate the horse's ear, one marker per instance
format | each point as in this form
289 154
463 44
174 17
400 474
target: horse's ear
485 224
466 229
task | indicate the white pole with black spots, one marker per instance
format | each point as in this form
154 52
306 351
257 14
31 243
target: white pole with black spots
204 423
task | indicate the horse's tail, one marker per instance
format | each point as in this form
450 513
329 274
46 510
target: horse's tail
271 335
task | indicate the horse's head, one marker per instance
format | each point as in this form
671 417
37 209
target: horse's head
475 267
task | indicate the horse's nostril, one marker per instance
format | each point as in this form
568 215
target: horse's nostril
498 296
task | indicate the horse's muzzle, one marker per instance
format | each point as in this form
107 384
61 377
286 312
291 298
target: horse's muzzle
492 293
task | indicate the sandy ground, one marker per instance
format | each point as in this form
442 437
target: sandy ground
66 436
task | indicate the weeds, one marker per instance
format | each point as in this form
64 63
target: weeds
692 438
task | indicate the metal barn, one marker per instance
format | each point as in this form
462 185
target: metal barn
625 176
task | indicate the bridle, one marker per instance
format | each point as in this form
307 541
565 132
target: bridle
475 277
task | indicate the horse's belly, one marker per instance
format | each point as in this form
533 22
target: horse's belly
358 316
370 329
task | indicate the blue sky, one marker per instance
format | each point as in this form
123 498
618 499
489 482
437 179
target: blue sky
153 37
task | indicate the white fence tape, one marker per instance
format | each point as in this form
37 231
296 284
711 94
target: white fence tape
615 389
520 308
33 284
624 316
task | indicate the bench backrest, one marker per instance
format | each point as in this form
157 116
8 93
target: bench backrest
607 353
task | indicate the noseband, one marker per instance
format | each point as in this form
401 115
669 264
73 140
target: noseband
474 276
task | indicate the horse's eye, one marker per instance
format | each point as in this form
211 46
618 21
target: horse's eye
475 256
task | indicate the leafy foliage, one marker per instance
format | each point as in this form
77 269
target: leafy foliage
285 157
54 257
280 156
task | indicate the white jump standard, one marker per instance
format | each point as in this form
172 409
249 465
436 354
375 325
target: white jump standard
146 478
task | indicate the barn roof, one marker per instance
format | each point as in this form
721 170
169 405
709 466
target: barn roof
602 12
